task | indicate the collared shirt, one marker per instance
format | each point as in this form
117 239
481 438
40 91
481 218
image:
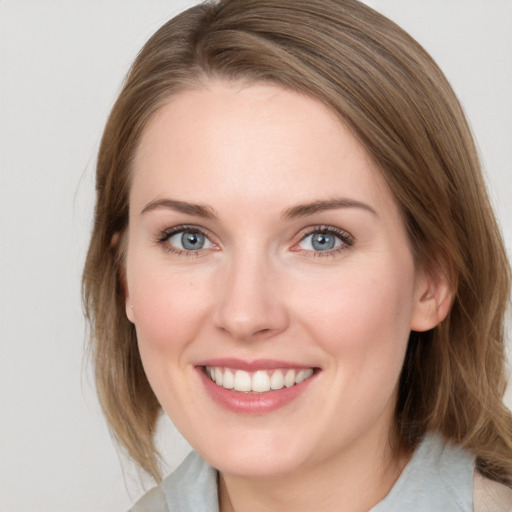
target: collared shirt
439 477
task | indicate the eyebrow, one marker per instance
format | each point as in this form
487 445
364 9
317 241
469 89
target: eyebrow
197 210
303 210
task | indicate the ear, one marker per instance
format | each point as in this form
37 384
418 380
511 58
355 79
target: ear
127 302
433 296
121 273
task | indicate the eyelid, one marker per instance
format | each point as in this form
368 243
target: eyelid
346 238
163 237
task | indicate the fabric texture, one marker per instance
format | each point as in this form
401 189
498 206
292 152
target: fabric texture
439 477
192 487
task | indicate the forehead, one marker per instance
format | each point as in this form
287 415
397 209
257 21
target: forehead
255 142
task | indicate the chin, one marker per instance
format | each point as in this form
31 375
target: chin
256 465
262 455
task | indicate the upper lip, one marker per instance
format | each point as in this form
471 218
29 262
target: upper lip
252 365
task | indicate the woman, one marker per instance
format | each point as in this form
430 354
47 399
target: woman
295 258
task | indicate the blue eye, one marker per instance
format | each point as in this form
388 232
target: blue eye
187 240
192 241
325 240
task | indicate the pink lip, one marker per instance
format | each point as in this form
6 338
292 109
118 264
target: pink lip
252 403
252 366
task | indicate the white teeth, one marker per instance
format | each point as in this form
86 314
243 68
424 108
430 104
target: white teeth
289 379
218 376
228 380
260 381
303 375
243 381
277 380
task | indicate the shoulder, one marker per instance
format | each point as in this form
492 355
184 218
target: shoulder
439 477
491 496
191 487
153 501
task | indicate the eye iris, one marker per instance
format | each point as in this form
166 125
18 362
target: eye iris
192 241
323 241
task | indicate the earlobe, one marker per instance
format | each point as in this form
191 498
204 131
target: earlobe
122 279
127 301
432 303
129 311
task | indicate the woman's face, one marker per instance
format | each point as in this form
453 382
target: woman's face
265 248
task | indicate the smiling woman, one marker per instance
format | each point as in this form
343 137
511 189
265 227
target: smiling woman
294 257
258 289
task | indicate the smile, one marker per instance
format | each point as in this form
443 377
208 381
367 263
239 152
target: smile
259 381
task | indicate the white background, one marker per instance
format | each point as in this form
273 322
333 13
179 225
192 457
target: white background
61 65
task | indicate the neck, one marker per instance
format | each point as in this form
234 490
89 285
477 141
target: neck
358 479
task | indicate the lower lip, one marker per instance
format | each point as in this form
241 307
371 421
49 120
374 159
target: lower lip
253 403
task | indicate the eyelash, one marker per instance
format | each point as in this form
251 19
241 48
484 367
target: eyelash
346 240
164 237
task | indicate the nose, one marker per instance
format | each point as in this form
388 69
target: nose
250 305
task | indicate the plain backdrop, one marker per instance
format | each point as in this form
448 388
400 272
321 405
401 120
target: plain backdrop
61 64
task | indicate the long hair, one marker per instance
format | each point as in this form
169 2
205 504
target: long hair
399 105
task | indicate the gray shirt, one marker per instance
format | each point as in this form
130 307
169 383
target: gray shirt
439 477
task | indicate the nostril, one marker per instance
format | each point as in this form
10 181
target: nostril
262 331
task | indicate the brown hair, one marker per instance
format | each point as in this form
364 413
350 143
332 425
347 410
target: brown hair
401 108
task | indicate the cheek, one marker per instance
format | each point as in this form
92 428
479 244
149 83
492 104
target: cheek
168 307
363 313
168 310
361 320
